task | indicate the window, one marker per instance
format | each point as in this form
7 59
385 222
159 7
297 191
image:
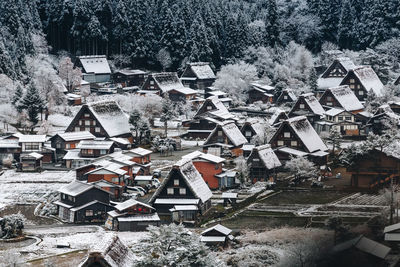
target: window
176 182
94 123
103 151
151 82
352 86
302 106
348 118
329 103
329 98
97 129
340 118
219 133
82 122
285 97
361 92
358 86
209 107
87 115
87 123
170 191
77 129
31 146
352 81
256 160
115 180
286 134
248 133
280 143
71 198
67 146
88 213
58 145
182 191
293 143
89 151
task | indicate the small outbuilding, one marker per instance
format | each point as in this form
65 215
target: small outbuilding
31 162
217 235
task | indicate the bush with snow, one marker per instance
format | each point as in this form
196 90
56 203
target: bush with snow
11 226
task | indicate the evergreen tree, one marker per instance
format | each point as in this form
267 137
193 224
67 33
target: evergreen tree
346 24
17 98
313 80
272 27
198 41
32 103
167 113
134 120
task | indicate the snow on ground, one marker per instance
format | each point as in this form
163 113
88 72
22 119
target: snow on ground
59 120
171 123
18 187
191 143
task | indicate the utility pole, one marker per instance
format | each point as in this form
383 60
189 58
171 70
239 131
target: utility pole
391 200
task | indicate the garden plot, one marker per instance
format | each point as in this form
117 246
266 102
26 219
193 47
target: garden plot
362 199
21 188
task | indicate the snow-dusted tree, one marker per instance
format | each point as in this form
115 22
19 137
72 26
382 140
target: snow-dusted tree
267 132
173 245
45 127
243 168
144 131
10 258
301 167
11 226
257 33
313 80
262 58
164 58
167 113
333 139
134 120
71 76
33 104
17 98
235 79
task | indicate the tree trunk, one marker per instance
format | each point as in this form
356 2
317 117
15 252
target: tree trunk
166 128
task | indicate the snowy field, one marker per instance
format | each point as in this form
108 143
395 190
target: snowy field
21 188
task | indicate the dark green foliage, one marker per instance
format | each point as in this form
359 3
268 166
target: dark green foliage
11 226
32 103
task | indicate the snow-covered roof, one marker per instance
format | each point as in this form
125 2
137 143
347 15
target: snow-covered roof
366 245
140 151
368 79
94 144
198 155
120 140
256 125
346 98
325 83
218 103
229 195
177 201
208 239
231 131
128 72
32 155
262 86
114 252
129 203
217 93
95 64
202 70
143 178
73 136
167 81
334 112
185 91
193 179
311 140
140 218
391 228
276 115
313 103
346 62
31 138
184 207
267 156
219 228
292 151
111 117
75 188
74 154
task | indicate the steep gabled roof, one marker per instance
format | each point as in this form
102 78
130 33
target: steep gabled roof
32 138
202 70
76 188
193 179
219 228
94 144
267 156
346 97
111 117
346 63
203 156
312 102
74 136
368 78
167 81
231 131
216 103
95 64
129 203
256 125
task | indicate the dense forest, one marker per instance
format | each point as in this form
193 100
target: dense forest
138 33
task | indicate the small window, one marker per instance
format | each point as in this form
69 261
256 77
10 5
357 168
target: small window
348 118
151 82
176 182
67 146
115 180
361 92
285 97
88 213
87 129
87 115
170 191
77 129
103 151
340 118
97 129
352 86
329 104
352 81
280 143
293 143
89 151
286 134
58 145
182 191
82 122
248 134
209 107
256 160
219 133
329 98
302 106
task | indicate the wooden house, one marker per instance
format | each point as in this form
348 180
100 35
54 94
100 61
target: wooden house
74 99
392 233
361 80
375 168
341 97
36 143
110 252
297 137
263 163
227 179
395 106
182 94
121 143
198 75
225 137
10 147
341 121
102 119
69 140
115 189
129 77
277 117
383 119
335 73
208 166
86 151
307 105
261 92
132 215
82 202
229 198
95 68
183 186
217 235
161 83
222 96
286 96
31 162
142 157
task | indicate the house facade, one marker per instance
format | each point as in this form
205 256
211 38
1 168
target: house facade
198 76
95 68
263 163
307 105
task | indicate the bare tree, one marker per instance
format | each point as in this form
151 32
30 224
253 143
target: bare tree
163 56
70 75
